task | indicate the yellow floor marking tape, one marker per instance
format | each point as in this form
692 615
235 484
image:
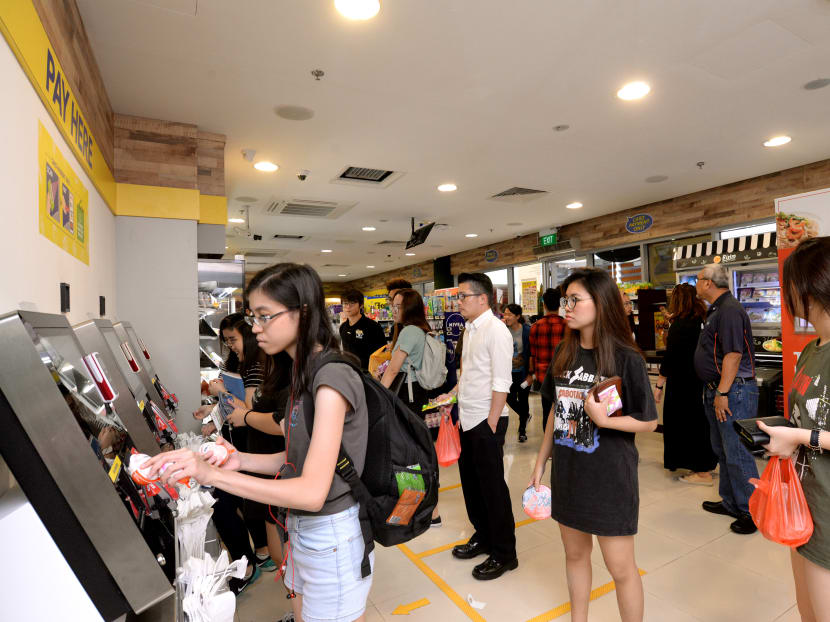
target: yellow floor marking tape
561 610
446 488
445 547
442 585
403 610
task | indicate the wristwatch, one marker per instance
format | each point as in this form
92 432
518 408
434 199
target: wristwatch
815 442
658 387
718 393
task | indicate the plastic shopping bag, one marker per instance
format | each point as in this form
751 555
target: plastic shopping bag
379 356
778 506
448 445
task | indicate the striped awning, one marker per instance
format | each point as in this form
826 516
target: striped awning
734 250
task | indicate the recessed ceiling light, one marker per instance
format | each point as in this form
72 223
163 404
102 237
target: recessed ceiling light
561 128
812 85
226 248
515 224
236 220
574 205
294 113
326 250
370 228
410 254
371 267
634 90
656 179
265 166
777 141
471 235
341 275
357 9
447 188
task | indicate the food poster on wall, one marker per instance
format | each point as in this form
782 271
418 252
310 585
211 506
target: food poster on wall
798 218
530 289
376 304
63 200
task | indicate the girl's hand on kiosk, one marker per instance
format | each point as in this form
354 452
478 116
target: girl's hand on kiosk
202 411
597 411
233 462
208 429
179 464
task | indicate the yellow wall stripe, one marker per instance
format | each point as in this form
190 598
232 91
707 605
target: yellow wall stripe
157 202
213 210
442 585
24 32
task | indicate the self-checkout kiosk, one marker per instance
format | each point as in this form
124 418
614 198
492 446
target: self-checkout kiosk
99 334
157 391
67 437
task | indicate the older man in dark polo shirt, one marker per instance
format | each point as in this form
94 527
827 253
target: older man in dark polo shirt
724 361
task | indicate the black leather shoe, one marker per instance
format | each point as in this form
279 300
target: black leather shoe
522 438
469 550
744 525
716 507
492 569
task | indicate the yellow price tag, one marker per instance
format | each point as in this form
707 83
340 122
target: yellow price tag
141 405
115 469
153 380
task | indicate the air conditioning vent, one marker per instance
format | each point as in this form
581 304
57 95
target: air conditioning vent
257 253
392 243
307 208
286 236
268 254
517 191
373 175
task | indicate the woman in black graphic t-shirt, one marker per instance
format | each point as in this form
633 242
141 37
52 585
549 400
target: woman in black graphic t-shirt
594 460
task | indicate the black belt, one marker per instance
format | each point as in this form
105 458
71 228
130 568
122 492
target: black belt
712 386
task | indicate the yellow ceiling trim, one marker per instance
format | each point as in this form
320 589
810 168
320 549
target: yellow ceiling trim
213 210
157 202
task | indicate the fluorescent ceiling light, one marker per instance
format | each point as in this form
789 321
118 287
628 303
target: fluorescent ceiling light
574 205
326 250
357 9
370 267
410 254
634 90
471 235
265 166
777 141
447 188
236 220
341 275
370 228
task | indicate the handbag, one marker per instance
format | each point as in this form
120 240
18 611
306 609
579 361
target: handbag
377 357
752 436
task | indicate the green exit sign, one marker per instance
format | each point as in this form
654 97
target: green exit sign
547 240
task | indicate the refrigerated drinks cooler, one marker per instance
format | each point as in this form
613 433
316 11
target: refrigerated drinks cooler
752 262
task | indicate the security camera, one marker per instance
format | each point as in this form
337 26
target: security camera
303 174
257 236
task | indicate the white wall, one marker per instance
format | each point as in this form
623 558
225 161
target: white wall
157 293
32 267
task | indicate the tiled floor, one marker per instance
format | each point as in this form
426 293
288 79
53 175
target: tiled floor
695 567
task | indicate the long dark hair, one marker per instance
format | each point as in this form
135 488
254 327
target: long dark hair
685 303
298 287
412 311
611 330
807 275
251 353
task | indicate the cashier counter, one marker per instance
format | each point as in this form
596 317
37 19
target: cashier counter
78 534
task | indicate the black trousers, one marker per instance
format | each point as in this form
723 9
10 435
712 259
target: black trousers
486 495
234 530
546 406
517 399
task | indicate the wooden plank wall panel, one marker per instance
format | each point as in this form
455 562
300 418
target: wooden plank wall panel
63 24
418 273
151 152
732 204
210 163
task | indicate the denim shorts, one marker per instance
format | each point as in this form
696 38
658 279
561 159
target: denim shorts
324 565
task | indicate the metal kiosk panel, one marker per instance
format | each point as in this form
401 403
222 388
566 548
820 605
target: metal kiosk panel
48 405
145 368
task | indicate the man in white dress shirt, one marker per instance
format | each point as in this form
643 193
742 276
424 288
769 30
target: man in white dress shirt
482 394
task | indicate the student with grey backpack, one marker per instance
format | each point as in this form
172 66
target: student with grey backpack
417 367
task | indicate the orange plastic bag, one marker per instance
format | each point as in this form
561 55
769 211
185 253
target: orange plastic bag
778 506
448 445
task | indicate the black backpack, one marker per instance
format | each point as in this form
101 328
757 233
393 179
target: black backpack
397 438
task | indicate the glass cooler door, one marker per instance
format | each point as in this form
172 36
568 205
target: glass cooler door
758 290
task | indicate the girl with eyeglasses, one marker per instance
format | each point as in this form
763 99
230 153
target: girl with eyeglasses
594 483
325 540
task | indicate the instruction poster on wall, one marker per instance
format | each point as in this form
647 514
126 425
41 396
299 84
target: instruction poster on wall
63 200
530 291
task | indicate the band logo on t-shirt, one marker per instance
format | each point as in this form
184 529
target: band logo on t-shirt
572 426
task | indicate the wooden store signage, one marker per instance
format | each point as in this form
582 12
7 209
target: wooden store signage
639 223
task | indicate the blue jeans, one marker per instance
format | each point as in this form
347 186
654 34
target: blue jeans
737 465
